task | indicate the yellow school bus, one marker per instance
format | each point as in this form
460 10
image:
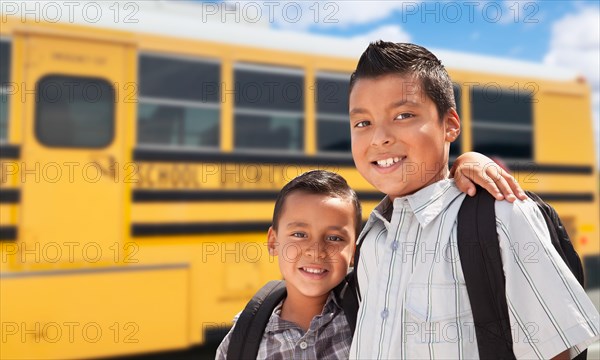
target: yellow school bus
140 162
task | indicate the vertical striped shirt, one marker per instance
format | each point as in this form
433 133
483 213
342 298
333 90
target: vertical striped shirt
414 299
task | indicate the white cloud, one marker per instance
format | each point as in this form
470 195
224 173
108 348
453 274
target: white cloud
362 12
302 15
575 44
392 33
342 14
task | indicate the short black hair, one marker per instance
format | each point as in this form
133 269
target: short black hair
405 59
320 182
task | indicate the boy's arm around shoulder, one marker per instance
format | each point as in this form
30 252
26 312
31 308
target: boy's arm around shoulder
549 311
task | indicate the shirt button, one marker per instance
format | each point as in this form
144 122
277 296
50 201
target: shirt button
385 313
303 345
395 245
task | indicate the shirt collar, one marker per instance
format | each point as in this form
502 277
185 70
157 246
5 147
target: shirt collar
276 323
426 204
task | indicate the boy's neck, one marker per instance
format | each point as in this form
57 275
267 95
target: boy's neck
443 174
301 309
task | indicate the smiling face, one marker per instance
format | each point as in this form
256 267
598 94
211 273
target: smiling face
314 242
399 144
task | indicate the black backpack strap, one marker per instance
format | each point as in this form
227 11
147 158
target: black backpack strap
560 238
562 243
346 293
479 252
250 326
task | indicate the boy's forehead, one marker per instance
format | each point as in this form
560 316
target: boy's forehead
298 197
407 82
405 88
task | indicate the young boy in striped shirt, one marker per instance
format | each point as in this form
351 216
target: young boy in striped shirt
414 302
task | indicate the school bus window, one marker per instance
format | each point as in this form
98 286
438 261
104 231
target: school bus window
178 125
269 108
455 147
333 125
4 87
74 112
502 122
3 115
179 102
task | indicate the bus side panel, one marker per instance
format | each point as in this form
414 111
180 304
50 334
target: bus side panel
95 314
563 120
226 270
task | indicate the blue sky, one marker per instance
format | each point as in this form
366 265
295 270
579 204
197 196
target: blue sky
515 29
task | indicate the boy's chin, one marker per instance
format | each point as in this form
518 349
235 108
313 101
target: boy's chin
314 291
398 191
317 294
409 187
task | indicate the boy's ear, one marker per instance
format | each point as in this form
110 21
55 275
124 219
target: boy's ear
452 123
272 242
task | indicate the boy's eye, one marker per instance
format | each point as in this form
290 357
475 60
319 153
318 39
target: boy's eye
299 235
363 123
403 116
334 238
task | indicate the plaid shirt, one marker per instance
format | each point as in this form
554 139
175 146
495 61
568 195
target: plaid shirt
328 336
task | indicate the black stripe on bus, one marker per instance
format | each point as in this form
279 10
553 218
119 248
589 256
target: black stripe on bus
202 195
222 195
10 151
10 196
198 228
13 152
567 197
8 233
300 159
534 168
268 195
244 158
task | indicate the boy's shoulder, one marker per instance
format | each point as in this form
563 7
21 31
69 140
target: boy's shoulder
507 212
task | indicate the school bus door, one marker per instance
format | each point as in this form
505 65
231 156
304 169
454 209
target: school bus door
74 165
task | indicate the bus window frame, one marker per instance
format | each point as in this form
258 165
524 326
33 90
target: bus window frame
113 108
457 144
270 69
150 100
521 128
4 90
333 117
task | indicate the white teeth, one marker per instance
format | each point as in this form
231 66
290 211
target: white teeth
314 271
388 162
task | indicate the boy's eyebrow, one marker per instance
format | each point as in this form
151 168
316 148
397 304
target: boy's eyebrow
302 224
338 228
401 103
391 106
296 224
358 111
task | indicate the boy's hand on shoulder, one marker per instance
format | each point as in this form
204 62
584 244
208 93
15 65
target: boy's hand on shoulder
474 168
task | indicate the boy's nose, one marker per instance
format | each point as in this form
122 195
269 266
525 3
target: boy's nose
316 250
382 136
